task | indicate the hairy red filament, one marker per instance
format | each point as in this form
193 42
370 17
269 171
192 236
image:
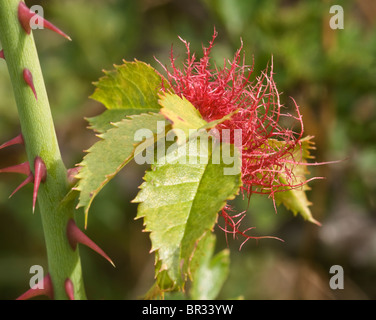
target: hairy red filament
268 148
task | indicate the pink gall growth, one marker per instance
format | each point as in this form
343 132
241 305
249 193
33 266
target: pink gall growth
216 93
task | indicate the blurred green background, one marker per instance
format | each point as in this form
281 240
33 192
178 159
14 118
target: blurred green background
330 73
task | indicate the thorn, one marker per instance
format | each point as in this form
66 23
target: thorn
29 179
46 290
28 77
71 175
23 168
75 235
40 175
69 289
25 15
17 140
2 54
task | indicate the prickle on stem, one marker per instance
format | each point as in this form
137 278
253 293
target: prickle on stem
46 289
2 54
17 140
40 171
71 175
28 77
23 168
29 179
40 175
25 15
69 288
75 235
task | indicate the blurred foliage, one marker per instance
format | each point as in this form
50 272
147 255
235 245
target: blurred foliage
330 73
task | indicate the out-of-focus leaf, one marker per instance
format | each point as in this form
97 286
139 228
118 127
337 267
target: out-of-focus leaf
208 272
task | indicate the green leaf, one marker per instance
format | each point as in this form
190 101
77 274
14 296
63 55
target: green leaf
208 273
295 199
132 85
184 116
181 113
109 155
180 199
105 120
131 88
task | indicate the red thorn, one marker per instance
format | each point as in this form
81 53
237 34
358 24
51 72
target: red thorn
29 179
2 54
35 291
28 77
23 168
69 289
71 175
25 15
75 235
40 175
50 26
17 140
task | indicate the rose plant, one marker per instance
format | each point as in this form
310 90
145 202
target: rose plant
210 134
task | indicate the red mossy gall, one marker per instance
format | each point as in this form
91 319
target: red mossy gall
217 92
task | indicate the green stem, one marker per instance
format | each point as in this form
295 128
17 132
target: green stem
40 140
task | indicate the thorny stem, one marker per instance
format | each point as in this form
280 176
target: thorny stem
40 140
